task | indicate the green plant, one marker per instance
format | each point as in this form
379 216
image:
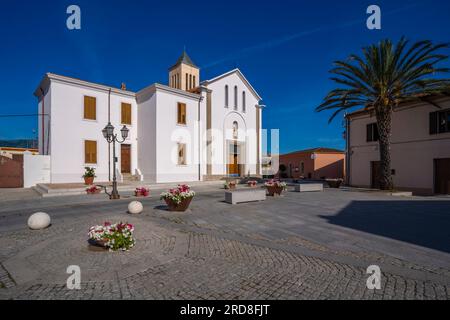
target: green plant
384 77
89 172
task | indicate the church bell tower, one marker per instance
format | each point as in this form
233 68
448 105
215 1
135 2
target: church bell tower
184 74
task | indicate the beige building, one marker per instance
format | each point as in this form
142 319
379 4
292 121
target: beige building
420 148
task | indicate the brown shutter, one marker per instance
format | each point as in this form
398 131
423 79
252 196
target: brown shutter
433 122
126 113
90 108
181 113
369 133
90 151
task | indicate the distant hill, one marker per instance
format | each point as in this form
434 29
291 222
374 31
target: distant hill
19 143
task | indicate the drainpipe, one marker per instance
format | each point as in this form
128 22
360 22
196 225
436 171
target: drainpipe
347 151
199 138
109 145
42 121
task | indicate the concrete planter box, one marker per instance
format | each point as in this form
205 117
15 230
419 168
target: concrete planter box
309 187
245 195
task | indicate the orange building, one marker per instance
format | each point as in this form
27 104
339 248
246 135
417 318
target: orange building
318 163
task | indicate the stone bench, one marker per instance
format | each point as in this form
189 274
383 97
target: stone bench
245 195
309 187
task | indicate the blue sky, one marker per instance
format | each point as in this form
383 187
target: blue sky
285 49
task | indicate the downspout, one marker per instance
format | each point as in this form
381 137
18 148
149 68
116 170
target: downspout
42 121
199 138
109 145
347 146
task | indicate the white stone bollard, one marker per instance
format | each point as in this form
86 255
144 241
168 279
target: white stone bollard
135 207
39 221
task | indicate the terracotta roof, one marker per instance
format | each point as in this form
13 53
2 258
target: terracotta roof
317 150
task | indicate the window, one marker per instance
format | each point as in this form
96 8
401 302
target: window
440 122
235 130
126 113
372 132
90 151
181 117
90 108
235 97
226 96
243 101
302 167
190 81
187 79
193 82
181 154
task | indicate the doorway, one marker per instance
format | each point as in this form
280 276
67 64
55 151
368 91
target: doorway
234 154
125 158
442 176
375 173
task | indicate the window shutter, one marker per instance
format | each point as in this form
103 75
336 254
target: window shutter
126 113
376 134
90 104
90 151
181 113
433 123
369 133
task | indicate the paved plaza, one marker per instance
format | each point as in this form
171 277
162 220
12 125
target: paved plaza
299 246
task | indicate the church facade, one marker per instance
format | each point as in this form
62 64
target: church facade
188 130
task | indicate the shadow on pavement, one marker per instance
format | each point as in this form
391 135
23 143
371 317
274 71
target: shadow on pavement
423 223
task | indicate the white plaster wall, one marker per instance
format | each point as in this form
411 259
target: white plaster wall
169 133
413 149
44 143
69 130
36 169
223 118
147 137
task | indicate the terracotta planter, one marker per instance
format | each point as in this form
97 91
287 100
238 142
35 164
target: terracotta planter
97 245
141 194
94 192
274 191
88 180
181 207
232 186
335 184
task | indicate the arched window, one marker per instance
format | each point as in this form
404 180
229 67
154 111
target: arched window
235 130
243 101
226 96
235 97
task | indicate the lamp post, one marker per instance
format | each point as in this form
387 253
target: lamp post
108 133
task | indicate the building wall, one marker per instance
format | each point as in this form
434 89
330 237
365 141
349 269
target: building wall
169 134
413 149
325 165
147 136
69 131
222 124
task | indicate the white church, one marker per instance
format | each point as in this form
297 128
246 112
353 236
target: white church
188 130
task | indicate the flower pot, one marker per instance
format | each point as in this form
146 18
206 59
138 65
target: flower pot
97 245
93 192
232 186
88 180
180 207
274 190
335 184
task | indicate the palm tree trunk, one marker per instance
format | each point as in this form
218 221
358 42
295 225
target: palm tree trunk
384 117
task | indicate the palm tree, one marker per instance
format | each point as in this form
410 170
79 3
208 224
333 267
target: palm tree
386 76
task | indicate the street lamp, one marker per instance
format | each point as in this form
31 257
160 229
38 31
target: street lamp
108 133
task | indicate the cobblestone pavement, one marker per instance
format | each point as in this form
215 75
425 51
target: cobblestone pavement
175 258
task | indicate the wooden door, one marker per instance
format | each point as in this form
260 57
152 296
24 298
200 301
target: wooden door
375 169
442 176
125 158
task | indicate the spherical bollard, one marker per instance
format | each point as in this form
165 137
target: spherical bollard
39 221
135 207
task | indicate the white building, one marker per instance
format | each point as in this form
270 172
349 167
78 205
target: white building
186 131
